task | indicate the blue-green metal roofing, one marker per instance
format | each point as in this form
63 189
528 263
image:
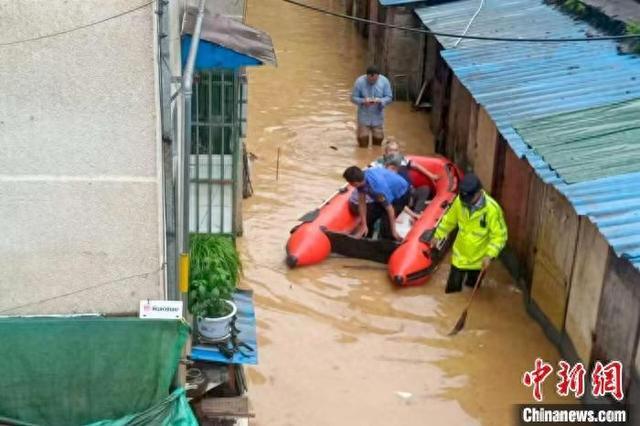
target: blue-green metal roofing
516 82
597 153
498 18
613 204
588 144
525 81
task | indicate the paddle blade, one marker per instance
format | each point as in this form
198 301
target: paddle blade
460 324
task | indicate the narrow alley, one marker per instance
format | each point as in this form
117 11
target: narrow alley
337 340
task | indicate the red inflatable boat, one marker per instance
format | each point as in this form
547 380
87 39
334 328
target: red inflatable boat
411 262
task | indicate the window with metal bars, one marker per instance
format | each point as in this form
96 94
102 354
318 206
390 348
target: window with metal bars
214 151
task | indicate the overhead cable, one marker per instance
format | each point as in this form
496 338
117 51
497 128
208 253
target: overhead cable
463 36
80 27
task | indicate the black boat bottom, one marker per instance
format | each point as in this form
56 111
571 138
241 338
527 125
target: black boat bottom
378 250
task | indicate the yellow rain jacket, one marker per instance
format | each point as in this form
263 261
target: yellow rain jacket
482 233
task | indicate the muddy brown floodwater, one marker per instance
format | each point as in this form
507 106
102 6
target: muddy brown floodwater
339 345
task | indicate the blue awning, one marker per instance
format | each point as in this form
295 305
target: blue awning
211 55
226 43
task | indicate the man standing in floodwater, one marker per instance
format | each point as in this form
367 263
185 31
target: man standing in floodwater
371 93
482 233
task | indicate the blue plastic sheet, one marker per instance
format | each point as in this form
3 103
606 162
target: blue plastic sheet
211 55
246 323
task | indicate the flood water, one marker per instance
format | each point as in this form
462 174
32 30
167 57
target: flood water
338 345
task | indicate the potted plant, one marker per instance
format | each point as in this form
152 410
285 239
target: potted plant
215 268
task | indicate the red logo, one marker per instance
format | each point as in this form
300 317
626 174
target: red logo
605 379
571 379
536 377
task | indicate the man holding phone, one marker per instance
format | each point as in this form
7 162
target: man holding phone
371 93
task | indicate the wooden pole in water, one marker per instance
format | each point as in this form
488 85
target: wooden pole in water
463 317
278 163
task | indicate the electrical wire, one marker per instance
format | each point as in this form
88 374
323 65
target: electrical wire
81 27
81 290
473 18
462 36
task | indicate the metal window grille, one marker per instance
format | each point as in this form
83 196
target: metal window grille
215 151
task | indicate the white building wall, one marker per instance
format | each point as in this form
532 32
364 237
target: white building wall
80 179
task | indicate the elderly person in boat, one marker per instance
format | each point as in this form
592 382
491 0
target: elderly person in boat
390 194
391 147
420 196
392 151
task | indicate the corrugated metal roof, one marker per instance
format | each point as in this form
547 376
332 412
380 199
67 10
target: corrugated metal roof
588 144
516 82
613 204
506 18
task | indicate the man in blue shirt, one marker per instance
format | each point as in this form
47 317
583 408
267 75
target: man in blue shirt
390 194
371 93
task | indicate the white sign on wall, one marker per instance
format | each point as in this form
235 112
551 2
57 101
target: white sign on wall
160 309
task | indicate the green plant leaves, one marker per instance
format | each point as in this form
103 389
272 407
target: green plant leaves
633 28
214 270
574 6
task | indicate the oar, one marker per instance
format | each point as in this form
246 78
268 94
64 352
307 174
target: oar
463 317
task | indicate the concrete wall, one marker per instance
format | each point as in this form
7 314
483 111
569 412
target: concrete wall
406 51
80 175
376 35
403 53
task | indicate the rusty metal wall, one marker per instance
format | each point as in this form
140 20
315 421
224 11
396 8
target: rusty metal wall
618 324
440 97
586 287
554 258
458 123
512 192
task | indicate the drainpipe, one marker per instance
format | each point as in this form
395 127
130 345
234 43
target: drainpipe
183 213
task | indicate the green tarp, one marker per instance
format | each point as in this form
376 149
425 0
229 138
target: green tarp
83 370
173 411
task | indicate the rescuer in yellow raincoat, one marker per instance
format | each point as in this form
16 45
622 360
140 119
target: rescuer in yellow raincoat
482 233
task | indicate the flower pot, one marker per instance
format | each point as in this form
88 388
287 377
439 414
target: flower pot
217 328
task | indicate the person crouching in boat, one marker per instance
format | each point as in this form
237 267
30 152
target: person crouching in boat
421 195
482 233
389 193
391 148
